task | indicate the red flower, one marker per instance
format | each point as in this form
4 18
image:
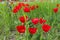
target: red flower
26 5
32 30
46 27
35 21
21 4
23 19
15 10
32 7
42 21
26 9
18 7
55 10
21 28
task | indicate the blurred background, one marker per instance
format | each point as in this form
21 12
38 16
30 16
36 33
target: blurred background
31 0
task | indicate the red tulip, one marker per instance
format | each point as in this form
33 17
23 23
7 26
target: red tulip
26 5
35 21
21 4
18 7
21 28
42 21
46 27
26 9
23 19
55 10
32 7
32 30
15 10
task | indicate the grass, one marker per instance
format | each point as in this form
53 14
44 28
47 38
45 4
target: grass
9 21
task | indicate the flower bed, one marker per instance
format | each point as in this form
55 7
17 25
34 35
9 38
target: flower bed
30 21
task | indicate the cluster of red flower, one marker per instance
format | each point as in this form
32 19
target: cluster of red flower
26 7
23 19
22 28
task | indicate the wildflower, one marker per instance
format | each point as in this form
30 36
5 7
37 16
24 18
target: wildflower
42 21
35 21
21 4
55 10
23 19
26 5
46 27
26 9
32 7
15 10
21 28
32 30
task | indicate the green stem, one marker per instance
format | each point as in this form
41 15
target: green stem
41 36
26 31
26 24
41 28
